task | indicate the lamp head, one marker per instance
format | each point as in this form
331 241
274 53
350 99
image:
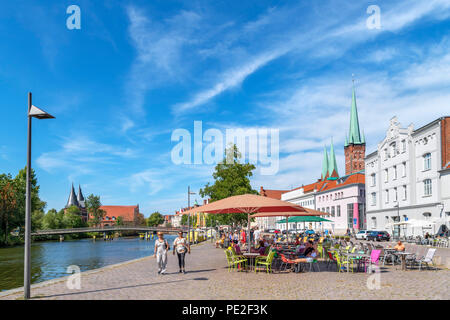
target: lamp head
35 112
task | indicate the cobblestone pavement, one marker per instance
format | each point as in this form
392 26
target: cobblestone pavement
207 278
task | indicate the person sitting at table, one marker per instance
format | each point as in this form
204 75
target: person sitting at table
297 241
400 246
261 248
308 257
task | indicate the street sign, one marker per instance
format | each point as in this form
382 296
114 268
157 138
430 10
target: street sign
354 220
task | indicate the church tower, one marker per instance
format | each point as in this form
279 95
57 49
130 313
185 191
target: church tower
355 144
325 164
332 165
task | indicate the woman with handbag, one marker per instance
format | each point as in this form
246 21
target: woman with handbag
181 246
161 248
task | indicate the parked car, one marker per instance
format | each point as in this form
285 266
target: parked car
378 236
362 234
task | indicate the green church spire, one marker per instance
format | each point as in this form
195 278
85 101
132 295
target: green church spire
332 166
354 136
325 163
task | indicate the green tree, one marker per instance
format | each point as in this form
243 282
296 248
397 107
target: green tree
71 220
36 204
8 205
12 203
231 178
51 220
37 218
155 219
119 221
184 220
93 205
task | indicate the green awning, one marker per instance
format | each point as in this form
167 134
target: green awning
304 219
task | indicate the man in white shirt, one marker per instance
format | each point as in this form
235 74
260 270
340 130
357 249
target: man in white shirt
256 235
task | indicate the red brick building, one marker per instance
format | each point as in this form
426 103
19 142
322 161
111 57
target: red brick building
129 214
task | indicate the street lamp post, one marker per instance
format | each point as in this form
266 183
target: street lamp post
189 216
33 112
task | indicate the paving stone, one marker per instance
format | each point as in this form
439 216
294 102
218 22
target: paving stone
208 278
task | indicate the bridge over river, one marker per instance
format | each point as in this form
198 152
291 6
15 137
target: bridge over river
105 229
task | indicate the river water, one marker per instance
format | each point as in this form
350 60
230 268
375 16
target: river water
50 259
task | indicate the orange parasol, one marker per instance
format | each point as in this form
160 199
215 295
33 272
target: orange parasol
251 203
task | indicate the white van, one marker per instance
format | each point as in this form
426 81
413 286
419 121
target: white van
362 234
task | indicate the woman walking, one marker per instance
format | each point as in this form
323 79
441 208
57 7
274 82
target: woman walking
161 248
181 246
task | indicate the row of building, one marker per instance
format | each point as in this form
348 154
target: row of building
407 177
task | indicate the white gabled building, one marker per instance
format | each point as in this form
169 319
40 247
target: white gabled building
406 178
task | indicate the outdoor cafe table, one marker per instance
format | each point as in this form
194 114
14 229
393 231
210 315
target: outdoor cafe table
403 255
252 258
355 255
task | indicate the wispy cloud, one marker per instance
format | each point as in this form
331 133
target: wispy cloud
229 80
81 155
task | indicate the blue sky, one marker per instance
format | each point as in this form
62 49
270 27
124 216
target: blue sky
138 70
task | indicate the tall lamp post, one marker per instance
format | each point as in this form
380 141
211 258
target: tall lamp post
189 216
33 112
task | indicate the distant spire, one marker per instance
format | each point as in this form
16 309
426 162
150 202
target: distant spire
354 136
80 198
72 201
325 163
332 167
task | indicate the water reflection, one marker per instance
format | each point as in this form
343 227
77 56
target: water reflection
50 260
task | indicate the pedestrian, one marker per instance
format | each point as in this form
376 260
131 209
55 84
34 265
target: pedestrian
161 248
256 235
181 246
243 237
235 237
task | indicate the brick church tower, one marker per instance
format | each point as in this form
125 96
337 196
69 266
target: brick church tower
355 144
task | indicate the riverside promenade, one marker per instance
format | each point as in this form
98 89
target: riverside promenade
207 278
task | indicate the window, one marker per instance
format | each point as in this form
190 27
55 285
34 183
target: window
427 187
395 195
386 175
374 198
328 210
427 161
403 145
404 169
374 222
332 211
386 154
374 181
393 149
387 195
338 211
404 193
395 172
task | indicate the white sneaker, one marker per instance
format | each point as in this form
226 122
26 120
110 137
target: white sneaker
163 272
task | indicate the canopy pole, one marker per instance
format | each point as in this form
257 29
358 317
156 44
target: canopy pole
248 232
287 229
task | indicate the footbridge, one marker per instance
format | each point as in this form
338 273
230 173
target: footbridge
105 229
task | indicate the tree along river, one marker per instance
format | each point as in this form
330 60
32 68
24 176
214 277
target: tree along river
50 259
